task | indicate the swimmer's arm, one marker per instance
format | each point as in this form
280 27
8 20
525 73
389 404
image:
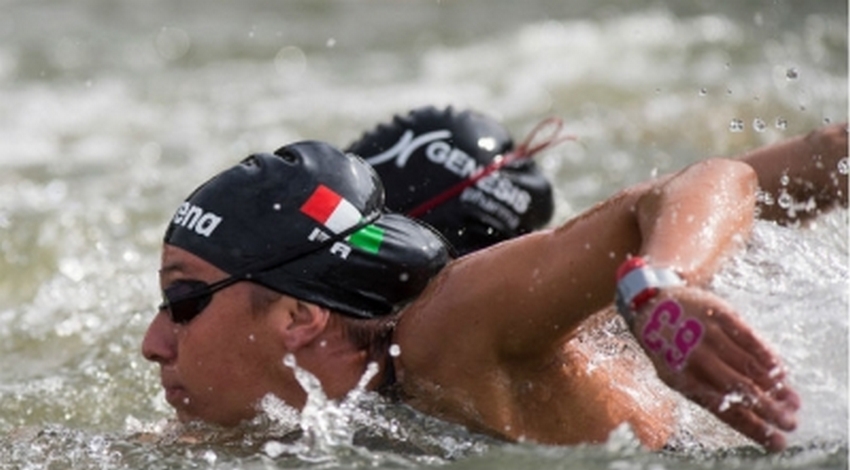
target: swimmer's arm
522 297
805 167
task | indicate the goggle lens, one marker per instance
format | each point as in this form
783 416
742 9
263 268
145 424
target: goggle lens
186 299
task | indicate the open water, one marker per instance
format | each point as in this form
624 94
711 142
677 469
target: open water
112 110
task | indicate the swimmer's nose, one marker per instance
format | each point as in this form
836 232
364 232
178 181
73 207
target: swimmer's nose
160 342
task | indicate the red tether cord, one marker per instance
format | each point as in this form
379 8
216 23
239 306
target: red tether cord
523 150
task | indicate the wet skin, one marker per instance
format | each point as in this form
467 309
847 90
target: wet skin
217 367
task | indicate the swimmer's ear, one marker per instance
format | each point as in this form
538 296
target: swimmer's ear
306 322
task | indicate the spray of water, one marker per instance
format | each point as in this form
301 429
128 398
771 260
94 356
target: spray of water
362 428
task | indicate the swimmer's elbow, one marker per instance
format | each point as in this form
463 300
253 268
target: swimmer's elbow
725 179
732 170
740 179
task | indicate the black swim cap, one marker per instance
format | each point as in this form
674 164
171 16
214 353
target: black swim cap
302 196
428 151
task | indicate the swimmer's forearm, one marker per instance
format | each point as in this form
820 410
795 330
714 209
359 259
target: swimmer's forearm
541 286
692 221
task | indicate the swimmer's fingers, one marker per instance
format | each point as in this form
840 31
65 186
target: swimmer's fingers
724 368
737 345
734 399
726 393
746 367
745 407
742 351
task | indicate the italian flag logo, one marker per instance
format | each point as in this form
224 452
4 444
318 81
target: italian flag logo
337 214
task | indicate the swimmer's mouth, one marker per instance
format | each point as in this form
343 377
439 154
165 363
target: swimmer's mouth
175 394
176 397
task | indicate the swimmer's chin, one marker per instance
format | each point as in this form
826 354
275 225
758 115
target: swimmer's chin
191 419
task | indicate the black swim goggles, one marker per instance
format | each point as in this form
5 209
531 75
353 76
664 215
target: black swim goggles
186 299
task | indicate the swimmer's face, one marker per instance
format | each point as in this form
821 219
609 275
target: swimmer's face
217 366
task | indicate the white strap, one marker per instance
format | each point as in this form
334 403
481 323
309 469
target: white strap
639 279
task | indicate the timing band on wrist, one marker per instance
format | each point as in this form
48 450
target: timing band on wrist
637 283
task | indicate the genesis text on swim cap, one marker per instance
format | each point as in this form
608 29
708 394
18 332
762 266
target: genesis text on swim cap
455 160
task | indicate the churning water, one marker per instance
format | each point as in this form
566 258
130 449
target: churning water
112 110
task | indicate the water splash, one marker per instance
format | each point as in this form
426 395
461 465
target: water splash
791 286
362 424
736 125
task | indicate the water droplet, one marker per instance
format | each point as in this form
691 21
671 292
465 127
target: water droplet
736 125
785 200
781 123
276 206
251 338
289 360
791 74
209 456
331 42
172 43
290 62
274 449
395 350
703 92
759 125
765 198
843 166
404 277
784 180
487 143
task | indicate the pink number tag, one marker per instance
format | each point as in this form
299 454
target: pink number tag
686 334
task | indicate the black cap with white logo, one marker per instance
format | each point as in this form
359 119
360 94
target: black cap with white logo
422 156
308 221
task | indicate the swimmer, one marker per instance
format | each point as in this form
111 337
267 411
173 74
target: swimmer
291 254
441 166
445 167
411 154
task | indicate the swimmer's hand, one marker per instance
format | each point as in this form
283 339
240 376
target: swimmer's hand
701 348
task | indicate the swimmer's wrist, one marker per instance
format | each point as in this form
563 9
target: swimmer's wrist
638 283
